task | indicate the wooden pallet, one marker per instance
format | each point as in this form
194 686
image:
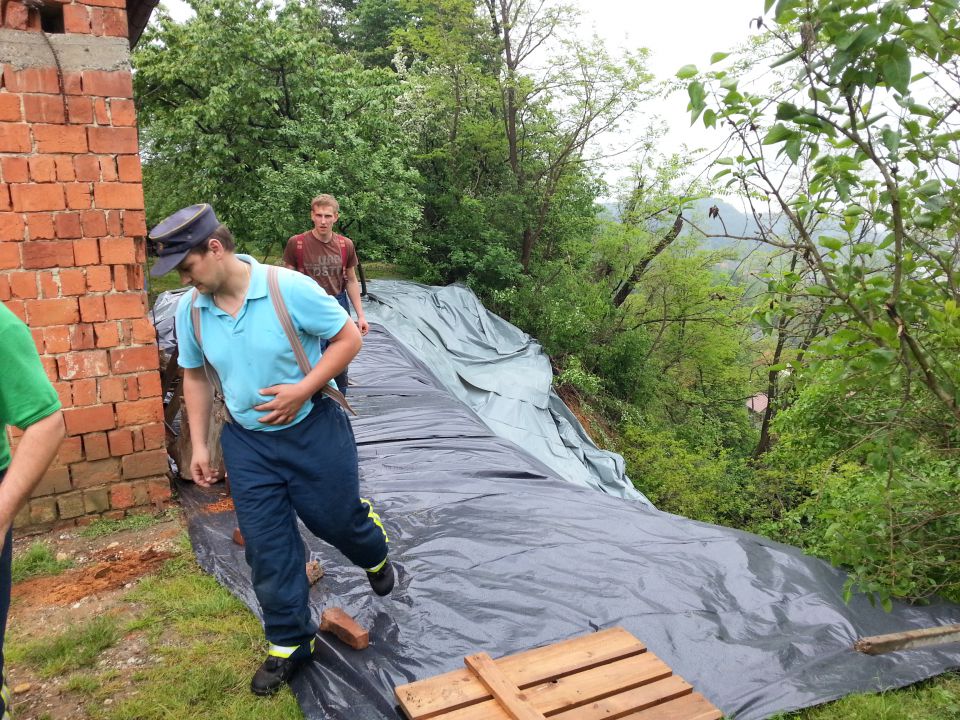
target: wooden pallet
601 676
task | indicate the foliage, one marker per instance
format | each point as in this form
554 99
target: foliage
36 560
264 118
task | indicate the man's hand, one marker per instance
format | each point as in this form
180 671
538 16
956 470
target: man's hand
363 325
200 466
286 403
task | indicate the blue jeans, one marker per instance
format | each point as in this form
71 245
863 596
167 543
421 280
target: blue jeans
307 471
341 379
6 572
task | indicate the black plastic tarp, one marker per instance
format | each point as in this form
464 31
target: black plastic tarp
495 553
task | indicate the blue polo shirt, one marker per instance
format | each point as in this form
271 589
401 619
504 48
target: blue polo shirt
251 351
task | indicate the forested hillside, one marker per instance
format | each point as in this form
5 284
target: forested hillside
816 262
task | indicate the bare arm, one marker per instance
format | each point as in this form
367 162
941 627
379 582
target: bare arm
198 398
353 292
35 452
288 399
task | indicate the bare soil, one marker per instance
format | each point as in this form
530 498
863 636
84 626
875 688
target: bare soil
106 568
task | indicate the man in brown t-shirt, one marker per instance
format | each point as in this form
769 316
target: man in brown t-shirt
330 259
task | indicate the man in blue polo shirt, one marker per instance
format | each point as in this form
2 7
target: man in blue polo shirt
289 450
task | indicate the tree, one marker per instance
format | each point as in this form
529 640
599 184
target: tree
248 107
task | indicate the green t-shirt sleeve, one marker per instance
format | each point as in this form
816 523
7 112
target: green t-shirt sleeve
26 394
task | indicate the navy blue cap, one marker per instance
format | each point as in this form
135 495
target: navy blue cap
179 234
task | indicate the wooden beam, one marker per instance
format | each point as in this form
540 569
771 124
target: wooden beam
513 701
879 644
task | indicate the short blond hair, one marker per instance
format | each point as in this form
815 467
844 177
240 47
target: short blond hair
324 200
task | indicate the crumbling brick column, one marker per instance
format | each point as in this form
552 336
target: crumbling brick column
72 252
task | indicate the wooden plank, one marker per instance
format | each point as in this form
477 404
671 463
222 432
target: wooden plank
457 689
577 689
511 699
879 644
689 707
623 704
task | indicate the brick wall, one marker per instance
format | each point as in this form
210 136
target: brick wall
72 253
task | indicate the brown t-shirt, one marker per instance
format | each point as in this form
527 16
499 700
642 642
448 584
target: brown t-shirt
323 261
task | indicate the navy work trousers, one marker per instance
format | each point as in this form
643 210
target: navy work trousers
307 470
341 379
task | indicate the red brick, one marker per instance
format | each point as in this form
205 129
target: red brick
11 227
120 278
73 281
99 279
14 138
113 222
139 412
110 22
76 19
17 16
123 113
67 225
137 441
10 258
71 450
4 288
6 205
79 108
159 490
14 169
34 196
56 340
40 226
135 275
94 223
108 84
86 252
91 363
335 620
149 384
43 168
43 109
49 288
92 308
65 171
72 84
127 305
129 169
111 389
121 496
60 138
137 359
142 331
23 284
127 196
144 464
47 254
10 108
108 167
107 334
88 420
106 3
84 392
117 251
103 470
87 167
131 390
100 111
121 442
31 80
78 196
81 337
154 436
41 313
55 481
95 447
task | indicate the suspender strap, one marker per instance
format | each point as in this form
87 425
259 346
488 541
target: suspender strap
213 377
280 307
300 265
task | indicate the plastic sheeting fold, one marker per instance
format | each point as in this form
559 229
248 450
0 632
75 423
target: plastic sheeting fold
496 553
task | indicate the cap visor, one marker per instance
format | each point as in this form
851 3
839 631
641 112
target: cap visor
166 263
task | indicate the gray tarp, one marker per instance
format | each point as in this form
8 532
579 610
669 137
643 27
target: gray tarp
495 553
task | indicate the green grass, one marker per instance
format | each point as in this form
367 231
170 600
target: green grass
102 527
383 271
37 560
74 649
935 699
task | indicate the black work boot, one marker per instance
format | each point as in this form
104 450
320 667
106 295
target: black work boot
382 580
275 671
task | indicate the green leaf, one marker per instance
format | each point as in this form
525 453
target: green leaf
778 133
863 249
687 72
792 148
767 4
709 118
718 56
830 243
895 67
891 139
784 59
787 111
